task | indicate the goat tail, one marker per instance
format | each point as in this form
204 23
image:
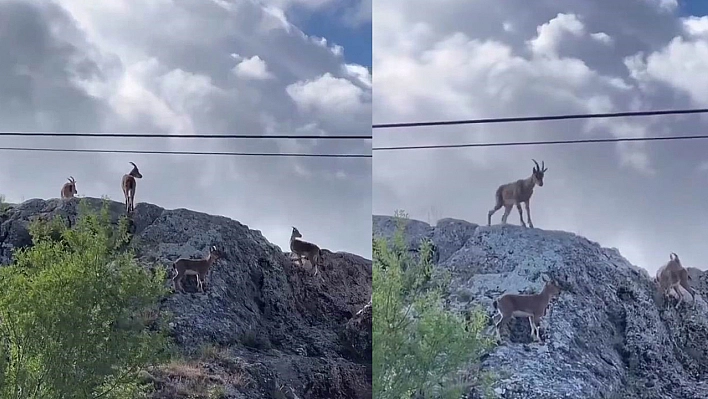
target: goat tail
494 303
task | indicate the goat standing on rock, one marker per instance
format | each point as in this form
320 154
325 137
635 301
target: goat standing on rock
68 190
183 267
128 185
301 247
671 276
515 193
531 306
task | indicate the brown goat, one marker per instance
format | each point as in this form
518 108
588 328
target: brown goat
531 306
510 194
301 247
128 185
671 276
68 190
183 267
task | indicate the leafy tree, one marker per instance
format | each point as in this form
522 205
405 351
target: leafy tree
418 346
74 313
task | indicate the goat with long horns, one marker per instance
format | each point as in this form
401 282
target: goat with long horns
68 190
515 193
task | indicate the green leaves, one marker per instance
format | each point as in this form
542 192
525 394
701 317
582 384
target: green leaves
71 309
418 346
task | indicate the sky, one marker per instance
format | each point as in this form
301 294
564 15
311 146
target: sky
462 59
195 67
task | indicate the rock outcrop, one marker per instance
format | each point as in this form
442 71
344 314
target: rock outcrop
277 328
608 335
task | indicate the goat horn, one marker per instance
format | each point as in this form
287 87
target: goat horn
534 161
543 166
133 164
72 179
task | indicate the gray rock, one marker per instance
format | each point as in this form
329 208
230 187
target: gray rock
283 324
608 335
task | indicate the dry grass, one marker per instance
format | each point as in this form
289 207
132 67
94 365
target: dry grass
205 377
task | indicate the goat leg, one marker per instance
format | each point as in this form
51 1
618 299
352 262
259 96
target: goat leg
528 214
507 211
521 214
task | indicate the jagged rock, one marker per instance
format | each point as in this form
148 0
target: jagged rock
608 335
357 334
281 322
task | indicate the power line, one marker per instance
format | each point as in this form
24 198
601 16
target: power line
256 154
544 142
186 136
542 118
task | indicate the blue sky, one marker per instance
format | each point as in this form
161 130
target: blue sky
329 23
694 7
356 41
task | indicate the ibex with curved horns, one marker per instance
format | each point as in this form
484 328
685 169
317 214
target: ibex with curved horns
128 184
515 193
68 190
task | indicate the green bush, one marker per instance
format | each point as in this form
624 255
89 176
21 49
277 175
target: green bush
418 346
72 313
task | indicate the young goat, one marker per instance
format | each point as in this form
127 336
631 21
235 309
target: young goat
301 247
671 276
183 267
515 193
68 190
128 185
531 306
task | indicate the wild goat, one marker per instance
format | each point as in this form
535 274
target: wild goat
128 184
531 306
515 193
183 267
301 247
68 190
671 276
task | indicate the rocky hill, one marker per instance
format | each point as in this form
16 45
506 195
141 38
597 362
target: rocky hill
608 335
265 328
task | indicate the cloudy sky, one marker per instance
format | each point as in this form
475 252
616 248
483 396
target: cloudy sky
460 59
196 67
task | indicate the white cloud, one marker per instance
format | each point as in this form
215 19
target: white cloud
681 64
695 26
602 37
328 96
552 32
361 73
664 5
253 68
